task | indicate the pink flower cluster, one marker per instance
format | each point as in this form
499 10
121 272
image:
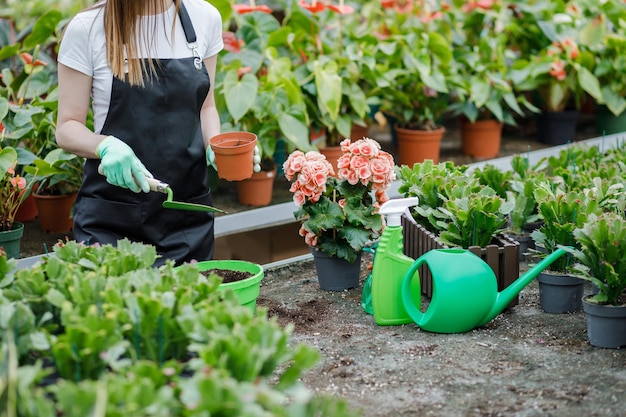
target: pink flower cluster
311 171
363 161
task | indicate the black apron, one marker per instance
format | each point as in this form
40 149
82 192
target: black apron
161 123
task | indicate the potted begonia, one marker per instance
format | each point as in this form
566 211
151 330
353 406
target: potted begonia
339 211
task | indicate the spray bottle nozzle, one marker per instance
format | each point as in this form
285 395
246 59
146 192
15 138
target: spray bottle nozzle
393 209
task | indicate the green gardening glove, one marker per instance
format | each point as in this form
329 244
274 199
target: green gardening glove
210 159
121 167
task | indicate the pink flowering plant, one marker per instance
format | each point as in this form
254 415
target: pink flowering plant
339 211
13 188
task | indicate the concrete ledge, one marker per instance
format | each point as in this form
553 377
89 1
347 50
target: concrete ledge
270 216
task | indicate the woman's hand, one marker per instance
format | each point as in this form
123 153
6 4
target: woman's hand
121 167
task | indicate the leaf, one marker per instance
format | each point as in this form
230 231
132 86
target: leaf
295 131
328 85
241 94
9 51
43 29
589 83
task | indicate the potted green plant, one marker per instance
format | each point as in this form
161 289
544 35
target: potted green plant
414 68
257 91
562 212
483 91
328 62
559 75
427 181
456 210
338 211
601 260
14 189
58 176
609 69
457 207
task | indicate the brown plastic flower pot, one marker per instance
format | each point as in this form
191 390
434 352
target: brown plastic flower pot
234 154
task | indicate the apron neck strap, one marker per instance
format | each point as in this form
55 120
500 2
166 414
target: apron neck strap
185 20
190 34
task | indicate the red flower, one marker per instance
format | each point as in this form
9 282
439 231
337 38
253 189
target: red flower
382 33
246 8
387 4
314 7
1 127
341 9
231 43
433 16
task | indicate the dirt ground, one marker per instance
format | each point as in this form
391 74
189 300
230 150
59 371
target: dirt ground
524 363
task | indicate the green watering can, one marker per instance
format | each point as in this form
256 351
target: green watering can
465 291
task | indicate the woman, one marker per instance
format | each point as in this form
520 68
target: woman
147 68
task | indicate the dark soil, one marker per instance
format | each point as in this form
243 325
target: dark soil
228 275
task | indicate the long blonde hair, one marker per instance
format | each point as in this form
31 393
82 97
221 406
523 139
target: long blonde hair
121 28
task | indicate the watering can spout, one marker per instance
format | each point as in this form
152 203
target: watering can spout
509 293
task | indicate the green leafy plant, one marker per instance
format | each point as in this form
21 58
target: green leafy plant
58 173
495 178
562 212
329 69
601 256
561 70
257 89
454 204
481 84
414 67
427 181
472 218
108 350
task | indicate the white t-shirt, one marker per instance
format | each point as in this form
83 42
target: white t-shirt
83 45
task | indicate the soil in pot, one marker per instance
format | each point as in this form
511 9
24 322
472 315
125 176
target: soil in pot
227 275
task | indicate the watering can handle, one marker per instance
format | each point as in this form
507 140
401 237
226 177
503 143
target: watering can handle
155 185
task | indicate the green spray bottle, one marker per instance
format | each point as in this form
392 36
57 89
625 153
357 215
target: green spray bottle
390 266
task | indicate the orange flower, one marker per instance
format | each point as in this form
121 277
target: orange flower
382 33
328 203
242 71
557 70
28 59
570 46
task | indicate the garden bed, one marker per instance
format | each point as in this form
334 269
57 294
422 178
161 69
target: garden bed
525 362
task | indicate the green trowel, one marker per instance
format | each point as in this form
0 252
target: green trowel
161 187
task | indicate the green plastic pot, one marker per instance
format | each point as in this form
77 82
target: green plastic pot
247 290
